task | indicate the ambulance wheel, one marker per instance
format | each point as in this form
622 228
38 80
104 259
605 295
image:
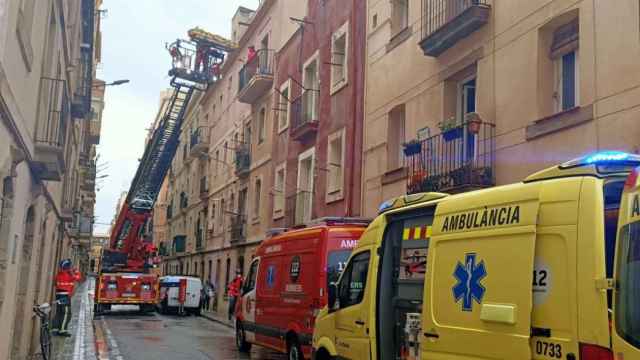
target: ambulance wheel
241 340
294 351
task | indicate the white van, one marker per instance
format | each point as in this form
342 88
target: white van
170 290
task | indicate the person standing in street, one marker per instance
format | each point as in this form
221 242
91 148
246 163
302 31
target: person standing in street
65 284
234 291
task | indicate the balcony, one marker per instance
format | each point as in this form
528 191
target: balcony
238 228
199 142
199 238
243 161
88 178
256 77
51 129
445 22
460 159
298 209
304 115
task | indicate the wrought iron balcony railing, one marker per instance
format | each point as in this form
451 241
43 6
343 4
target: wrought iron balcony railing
51 128
199 141
238 228
462 158
304 114
256 76
243 160
445 22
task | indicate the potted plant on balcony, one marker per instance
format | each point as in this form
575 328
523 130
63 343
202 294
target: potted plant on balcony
473 122
416 180
449 129
412 147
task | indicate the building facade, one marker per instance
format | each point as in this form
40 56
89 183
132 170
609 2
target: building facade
47 62
318 116
462 95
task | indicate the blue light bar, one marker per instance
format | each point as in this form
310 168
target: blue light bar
603 158
386 205
606 156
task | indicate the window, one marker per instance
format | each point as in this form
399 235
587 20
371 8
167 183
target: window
395 138
627 312
399 16
335 165
222 214
226 277
217 161
566 81
256 202
214 217
564 53
283 108
353 284
339 51
336 262
250 283
279 189
262 118
305 186
311 83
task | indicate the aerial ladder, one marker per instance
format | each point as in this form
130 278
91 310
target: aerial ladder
124 275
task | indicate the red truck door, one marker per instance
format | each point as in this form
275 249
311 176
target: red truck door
248 303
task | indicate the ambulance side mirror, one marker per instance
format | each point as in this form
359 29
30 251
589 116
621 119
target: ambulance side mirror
332 293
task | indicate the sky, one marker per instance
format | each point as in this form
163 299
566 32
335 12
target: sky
134 34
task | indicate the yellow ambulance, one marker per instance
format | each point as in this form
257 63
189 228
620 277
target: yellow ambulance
522 271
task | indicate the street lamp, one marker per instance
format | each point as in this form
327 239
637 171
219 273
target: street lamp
114 83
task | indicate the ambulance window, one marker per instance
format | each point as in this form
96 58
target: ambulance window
250 284
612 192
354 281
628 284
336 262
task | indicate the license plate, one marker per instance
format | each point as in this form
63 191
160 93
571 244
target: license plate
128 295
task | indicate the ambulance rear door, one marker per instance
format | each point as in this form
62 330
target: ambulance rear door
478 288
626 312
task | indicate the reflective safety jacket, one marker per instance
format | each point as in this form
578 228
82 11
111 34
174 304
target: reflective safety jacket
66 281
234 287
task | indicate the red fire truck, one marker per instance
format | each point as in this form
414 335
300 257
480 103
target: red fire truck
287 284
123 273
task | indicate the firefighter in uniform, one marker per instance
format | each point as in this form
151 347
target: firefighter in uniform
233 290
65 284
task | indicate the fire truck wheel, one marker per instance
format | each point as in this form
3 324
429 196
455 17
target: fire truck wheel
294 352
241 340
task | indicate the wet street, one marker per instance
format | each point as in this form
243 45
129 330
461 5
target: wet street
125 334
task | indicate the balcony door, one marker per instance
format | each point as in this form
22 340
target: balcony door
311 87
304 198
466 105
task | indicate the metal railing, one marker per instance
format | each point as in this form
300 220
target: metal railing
260 64
54 114
198 136
460 158
243 159
437 13
298 208
305 108
238 228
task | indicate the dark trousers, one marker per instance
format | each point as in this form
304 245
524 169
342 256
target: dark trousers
63 313
232 306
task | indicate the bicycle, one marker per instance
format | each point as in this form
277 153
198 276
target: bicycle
42 311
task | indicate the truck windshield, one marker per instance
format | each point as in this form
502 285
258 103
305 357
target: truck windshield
628 284
336 262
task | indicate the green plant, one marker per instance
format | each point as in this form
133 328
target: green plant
448 124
